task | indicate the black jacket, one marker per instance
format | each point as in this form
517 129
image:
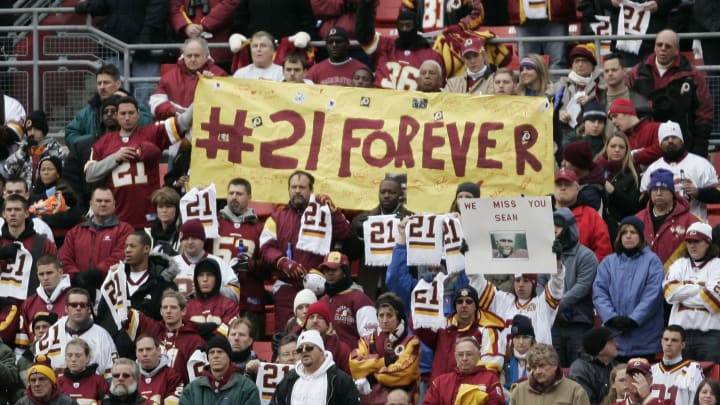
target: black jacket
341 388
132 21
592 375
162 272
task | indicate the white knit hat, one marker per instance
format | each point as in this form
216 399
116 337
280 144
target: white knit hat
313 337
669 128
304 297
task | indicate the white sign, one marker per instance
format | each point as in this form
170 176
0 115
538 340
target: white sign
508 235
268 377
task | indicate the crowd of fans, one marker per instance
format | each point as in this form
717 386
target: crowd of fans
109 296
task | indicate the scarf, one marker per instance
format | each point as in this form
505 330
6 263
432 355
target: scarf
379 235
248 216
315 235
424 243
477 75
399 333
38 401
158 233
340 286
217 383
580 80
89 370
426 303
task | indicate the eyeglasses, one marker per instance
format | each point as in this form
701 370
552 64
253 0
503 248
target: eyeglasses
306 349
123 375
77 304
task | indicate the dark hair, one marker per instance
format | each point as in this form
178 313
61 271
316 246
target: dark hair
295 58
613 55
15 198
49 259
239 181
714 386
101 188
289 338
302 173
80 291
144 335
110 70
676 328
15 179
617 245
144 237
129 100
713 251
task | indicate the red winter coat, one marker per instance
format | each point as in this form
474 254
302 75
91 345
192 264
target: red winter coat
558 10
178 86
643 137
217 21
444 389
667 242
285 225
88 386
593 231
87 245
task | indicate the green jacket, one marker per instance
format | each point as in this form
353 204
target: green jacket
238 390
87 122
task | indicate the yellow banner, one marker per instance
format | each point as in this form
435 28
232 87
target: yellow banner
350 138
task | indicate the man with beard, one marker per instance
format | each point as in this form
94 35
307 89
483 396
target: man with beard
338 68
398 60
315 378
390 196
159 382
281 236
220 381
690 171
238 224
124 385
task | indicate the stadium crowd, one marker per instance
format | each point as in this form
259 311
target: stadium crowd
109 297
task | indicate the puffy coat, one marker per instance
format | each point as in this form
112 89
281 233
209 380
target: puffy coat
668 241
237 390
632 287
89 245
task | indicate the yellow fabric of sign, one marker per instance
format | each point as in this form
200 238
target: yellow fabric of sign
350 138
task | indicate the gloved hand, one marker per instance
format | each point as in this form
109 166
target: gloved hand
557 248
8 252
241 263
236 42
625 323
207 329
291 268
325 199
363 386
89 279
301 39
82 7
464 248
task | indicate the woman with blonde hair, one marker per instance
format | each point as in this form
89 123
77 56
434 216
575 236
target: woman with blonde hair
534 76
621 181
616 384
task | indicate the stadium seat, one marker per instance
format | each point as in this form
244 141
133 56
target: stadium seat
263 350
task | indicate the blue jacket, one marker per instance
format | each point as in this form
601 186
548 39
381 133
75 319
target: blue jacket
399 281
632 286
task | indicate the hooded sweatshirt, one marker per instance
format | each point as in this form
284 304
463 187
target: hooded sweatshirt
311 389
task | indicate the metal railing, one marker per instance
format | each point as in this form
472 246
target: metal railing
51 67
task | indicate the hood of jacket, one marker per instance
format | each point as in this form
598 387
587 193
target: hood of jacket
163 266
570 234
207 264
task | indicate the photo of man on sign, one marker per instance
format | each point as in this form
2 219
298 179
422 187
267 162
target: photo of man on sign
508 245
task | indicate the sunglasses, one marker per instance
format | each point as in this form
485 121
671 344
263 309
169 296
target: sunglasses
123 375
306 349
77 304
